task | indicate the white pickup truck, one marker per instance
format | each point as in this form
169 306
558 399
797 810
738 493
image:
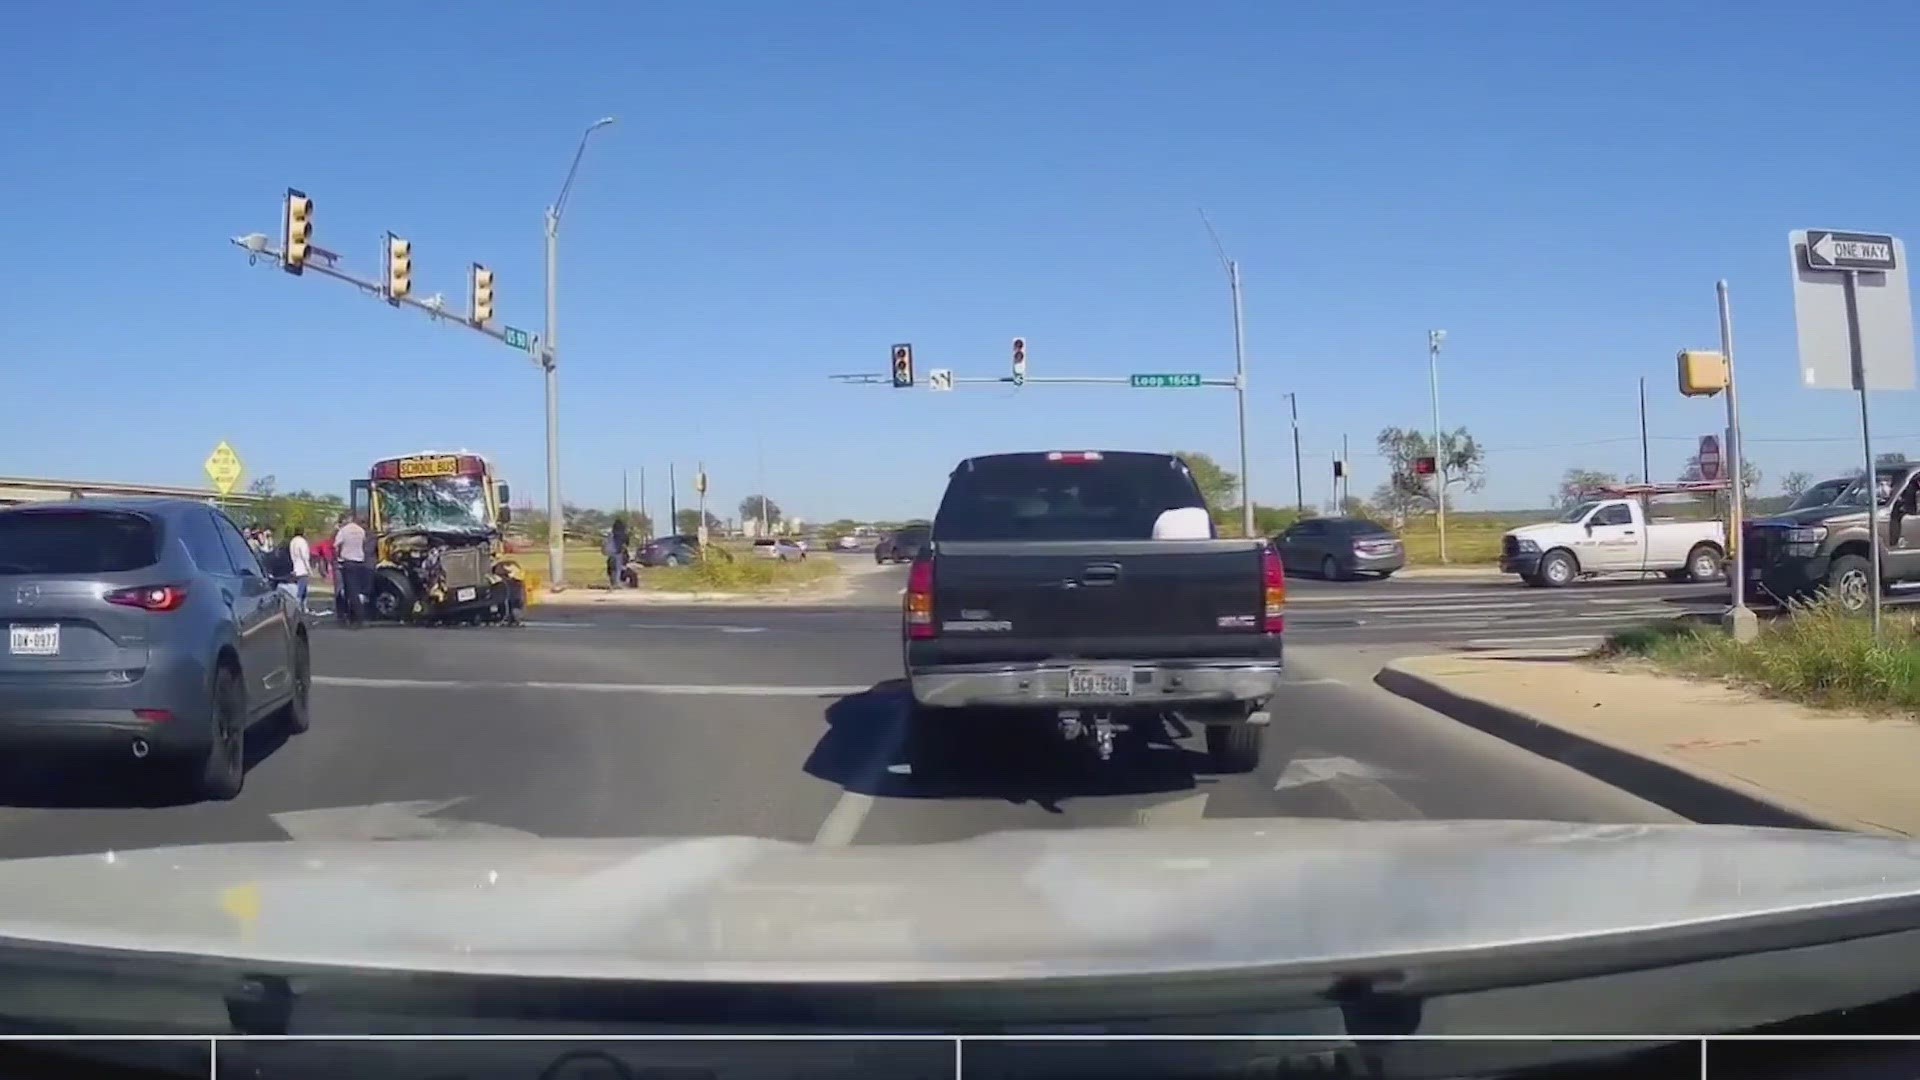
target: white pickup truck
1612 536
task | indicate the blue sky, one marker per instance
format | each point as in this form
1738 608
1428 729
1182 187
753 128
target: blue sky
792 188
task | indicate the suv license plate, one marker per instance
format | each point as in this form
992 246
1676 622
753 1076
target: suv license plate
34 640
1100 682
465 594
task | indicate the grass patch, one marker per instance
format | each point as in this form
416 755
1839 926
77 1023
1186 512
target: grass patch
1470 540
1819 655
746 574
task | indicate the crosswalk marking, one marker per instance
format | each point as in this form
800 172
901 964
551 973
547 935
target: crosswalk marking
1497 618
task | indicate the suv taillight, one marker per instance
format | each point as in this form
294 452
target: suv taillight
1274 586
919 602
150 597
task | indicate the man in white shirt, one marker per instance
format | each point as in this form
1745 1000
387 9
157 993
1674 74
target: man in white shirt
356 576
302 558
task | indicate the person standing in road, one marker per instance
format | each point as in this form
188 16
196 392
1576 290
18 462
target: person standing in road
616 551
302 558
356 579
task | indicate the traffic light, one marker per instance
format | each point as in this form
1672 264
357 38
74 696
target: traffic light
1019 361
1339 468
399 268
480 296
903 365
296 232
1423 466
1702 373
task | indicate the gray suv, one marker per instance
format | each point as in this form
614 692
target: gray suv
147 629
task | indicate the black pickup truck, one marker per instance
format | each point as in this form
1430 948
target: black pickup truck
1043 591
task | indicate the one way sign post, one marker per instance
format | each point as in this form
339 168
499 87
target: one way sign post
1853 311
1828 250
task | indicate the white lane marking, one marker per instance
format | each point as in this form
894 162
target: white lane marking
1502 643
850 810
1314 682
669 689
1498 605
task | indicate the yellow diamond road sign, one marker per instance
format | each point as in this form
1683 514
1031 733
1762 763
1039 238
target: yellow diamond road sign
224 468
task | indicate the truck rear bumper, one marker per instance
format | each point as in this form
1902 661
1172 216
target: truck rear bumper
1166 684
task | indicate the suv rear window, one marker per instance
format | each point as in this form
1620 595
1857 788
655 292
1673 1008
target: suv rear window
76 542
1028 497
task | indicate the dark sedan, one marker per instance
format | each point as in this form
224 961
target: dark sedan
1339 548
901 546
144 629
670 551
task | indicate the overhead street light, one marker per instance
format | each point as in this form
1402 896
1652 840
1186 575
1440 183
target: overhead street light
549 361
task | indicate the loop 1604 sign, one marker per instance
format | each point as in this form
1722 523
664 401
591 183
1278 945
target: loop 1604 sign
1162 381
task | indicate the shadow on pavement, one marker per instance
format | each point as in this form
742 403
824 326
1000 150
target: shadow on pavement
63 780
1011 756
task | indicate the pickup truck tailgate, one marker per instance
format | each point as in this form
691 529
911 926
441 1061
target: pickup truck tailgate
1040 600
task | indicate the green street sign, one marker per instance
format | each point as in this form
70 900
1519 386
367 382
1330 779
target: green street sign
1164 381
517 338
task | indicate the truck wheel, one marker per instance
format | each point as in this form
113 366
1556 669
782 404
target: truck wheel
392 599
1235 748
1557 570
1850 581
1703 564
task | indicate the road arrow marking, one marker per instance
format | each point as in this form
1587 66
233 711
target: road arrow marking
409 820
1303 771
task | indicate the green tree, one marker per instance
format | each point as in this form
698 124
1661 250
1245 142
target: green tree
1795 484
1577 485
687 522
751 506
1461 463
1220 487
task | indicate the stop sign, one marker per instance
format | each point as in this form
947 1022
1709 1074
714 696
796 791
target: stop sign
1709 458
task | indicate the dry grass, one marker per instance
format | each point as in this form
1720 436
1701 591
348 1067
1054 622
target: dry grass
1819 655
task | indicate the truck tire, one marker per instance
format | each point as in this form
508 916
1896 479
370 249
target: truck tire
1235 748
1557 569
1850 583
1703 563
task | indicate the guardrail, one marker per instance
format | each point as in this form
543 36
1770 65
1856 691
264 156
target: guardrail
18 489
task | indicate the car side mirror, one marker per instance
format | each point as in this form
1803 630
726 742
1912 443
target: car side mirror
1589 526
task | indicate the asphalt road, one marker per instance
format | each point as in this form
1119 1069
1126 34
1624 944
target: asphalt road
778 722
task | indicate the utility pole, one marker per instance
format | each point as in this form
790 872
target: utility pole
1239 378
1646 470
673 501
643 502
625 511
1299 496
1434 338
1346 475
549 362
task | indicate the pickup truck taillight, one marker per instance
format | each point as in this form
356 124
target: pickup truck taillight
1274 579
919 604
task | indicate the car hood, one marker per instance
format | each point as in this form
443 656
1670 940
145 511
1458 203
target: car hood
1540 528
1033 903
1817 515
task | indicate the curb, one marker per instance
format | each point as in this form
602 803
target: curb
1687 790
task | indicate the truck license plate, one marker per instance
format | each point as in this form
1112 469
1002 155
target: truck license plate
465 594
1100 682
34 640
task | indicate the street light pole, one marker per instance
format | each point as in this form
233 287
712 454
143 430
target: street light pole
1239 378
1299 488
1434 338
549 363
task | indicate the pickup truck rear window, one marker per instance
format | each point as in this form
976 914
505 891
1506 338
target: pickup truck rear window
1118 497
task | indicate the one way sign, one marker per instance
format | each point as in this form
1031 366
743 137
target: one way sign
1849 251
